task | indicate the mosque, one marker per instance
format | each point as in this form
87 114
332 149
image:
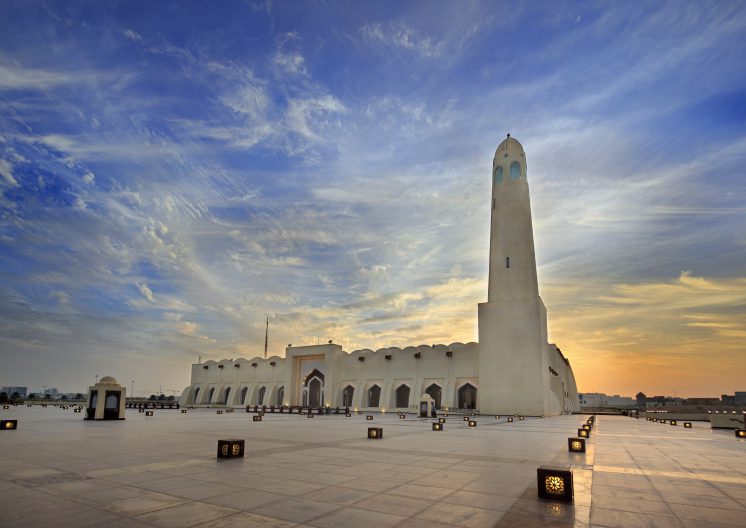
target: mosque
512 369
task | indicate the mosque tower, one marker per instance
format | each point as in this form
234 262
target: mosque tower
513 350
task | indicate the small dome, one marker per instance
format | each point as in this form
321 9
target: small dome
109 380
509 144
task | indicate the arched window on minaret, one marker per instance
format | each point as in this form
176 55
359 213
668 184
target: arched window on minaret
499 174
515 171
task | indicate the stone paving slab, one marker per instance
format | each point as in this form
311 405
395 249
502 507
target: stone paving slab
162 471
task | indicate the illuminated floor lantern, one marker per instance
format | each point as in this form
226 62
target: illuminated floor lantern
673 422
369 417
587 427
584 433
687 425
555 483
437 426
140 410
402 417
230 448
740 433
576 445
219 412
148 413
375 433
8 425
183 411
441 420
472 423
521 418
6 407
510 419
497 417
256 418
77 410
466 418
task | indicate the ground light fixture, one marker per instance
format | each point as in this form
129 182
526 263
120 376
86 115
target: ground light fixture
472 423
437 426
555 483
256 418
576 445
584 433
441 420
740 433
369 417
8 425
687 425
231 448
510 419
375 433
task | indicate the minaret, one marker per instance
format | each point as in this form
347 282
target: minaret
512 257
512 323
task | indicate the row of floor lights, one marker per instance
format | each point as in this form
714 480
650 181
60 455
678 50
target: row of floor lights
555 483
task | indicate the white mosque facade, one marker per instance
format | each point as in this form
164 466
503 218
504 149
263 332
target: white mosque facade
513 369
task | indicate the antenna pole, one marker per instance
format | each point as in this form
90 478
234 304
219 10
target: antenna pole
266 338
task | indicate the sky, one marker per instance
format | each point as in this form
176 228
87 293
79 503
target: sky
171 173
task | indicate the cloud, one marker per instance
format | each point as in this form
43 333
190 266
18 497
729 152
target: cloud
132 35
6 171
146 292
402 37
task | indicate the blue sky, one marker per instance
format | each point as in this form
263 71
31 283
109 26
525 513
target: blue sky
170 173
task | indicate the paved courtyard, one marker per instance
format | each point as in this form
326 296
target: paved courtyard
57 470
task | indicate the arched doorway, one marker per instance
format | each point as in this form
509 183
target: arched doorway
347 393
313 389
467 396
435 393
402 396
280 395
210 394
226 394
374 396
244 391
196 395
260 396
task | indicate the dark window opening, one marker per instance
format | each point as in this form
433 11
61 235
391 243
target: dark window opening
507 262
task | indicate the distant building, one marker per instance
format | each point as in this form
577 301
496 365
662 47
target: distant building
710 402
11 390
599 399
737 400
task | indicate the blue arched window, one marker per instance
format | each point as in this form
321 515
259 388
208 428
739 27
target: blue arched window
515 171
499 174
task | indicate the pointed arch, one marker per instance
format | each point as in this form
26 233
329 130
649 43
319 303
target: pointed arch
280 395
244 392
260 395
467 396
347 393
374 396
402 395
498 174
226 395
436 393
210 394
196 395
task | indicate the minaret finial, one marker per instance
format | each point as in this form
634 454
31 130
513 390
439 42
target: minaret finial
508 134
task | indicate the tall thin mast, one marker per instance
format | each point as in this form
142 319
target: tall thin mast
266 338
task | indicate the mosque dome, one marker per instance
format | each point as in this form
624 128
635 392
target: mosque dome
509 144
110 380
